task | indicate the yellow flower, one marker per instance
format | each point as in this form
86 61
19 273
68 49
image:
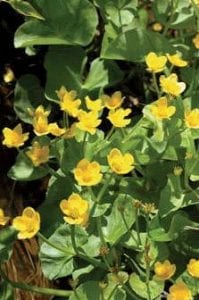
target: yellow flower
114 101
164 270
28 224
88 121
8 76
157 26
119 163
3 219
170 85
193 267
192 118
61 92
76 210
14 137
38 154
176 60
117 117
155 63
39 112
195 1
87 173
69 104
195 41
179 291
55 130
161 110
94 105
40 125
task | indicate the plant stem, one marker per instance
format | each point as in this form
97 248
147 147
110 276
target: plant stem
36 289
103 189
170 20
45 240
147 259
130 293
155 83
137 226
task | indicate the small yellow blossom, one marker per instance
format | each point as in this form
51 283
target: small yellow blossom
117 117
88 173
28 224
14 137
8 76
176 60
38 154
157 26
76 210
155 63
88 121
192 118
55 130
94 105
179 291
164 270
61 92
114 101
195 41
69 103
39 112
170 85
119 163
40 125
193 267
3 219
195 1
161 110
70 132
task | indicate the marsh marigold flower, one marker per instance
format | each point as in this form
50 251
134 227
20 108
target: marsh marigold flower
193 267
120 163
114 101
170 85
40 126
117 117
38 154
94 105
28 224
87 173
195 41
76 210
176 60
164 270
88 121
157 26
3 218
155 63
69 103
179 291
55 130
161 110
192 118
39 112
14 137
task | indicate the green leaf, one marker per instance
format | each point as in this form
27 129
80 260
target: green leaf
58 263
123 47
173 197
28 95
87 291
119 12
58 189
140 288
102 74
7 238
25 8
24 170
71 22
69 62
115 227
6 291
